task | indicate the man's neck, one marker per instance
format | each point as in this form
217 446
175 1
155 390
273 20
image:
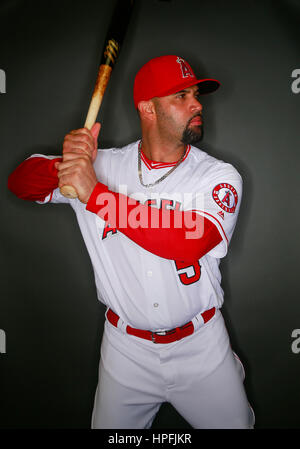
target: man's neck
162 151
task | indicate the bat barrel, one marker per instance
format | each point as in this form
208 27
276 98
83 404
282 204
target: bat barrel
100 86
113 42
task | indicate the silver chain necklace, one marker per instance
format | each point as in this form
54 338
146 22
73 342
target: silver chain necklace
160 179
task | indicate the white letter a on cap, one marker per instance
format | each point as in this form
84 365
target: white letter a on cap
185 69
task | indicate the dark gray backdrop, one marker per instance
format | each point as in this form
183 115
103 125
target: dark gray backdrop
53 322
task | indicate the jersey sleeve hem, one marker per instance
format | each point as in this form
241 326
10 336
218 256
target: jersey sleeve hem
47 199
221 249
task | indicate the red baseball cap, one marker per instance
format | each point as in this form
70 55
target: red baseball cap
167 75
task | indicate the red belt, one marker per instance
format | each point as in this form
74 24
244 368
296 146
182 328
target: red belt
165 336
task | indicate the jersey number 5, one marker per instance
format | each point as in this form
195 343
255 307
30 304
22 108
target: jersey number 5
184 278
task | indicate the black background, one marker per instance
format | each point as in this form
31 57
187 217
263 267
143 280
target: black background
50 51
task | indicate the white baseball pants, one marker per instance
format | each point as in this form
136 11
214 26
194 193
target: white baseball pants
199 375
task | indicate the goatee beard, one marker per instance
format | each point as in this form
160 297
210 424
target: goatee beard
190 135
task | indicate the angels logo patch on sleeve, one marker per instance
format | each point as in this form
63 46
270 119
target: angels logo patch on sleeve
226 197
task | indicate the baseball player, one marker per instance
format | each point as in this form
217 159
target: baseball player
156 216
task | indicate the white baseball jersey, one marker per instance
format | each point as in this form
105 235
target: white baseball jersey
145 290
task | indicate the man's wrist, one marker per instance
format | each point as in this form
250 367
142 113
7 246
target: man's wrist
92 201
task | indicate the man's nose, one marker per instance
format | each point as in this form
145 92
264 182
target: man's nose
196 106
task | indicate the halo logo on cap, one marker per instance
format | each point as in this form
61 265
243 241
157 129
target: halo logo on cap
185 69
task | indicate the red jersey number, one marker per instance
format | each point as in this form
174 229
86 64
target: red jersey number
184 278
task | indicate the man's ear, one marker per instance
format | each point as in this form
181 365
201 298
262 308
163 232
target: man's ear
146 110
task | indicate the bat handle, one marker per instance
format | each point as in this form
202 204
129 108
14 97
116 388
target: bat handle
100 86
69 192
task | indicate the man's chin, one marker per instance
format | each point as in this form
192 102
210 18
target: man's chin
192 135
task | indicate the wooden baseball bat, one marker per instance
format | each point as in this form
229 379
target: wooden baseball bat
113 42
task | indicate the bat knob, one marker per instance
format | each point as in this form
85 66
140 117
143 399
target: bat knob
68 192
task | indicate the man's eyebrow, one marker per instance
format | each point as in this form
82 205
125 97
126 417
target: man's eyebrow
187 90
180 91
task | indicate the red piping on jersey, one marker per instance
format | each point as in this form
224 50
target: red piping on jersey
156 165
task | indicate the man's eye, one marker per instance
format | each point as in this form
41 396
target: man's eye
180 95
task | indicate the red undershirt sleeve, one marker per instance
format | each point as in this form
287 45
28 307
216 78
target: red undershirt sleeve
34 179
166 233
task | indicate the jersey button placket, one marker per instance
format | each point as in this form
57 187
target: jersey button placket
152 303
